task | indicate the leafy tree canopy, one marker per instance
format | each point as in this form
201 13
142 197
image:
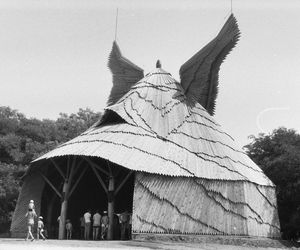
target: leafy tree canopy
278 154
24 139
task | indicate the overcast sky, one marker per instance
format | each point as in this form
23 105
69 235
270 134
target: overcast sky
54 55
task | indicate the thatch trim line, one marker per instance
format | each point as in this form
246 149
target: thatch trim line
156 87
143 151
212 121
152 224
119 132
186 117
208 196
267 199
130 116
197 154
163 199
155 107
163 139
163 88
202 124
157 73
229 200
208 140
206 192
138 114
237 203
158 137
138 149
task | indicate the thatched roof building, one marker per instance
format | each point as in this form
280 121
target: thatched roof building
189 176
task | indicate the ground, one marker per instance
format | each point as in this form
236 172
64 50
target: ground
16 244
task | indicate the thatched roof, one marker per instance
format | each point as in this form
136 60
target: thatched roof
157 125
161 133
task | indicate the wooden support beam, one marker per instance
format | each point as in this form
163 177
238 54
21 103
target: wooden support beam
111 207
50 184
123 182
58 168
96 166
77 181
99 179
74 169
63 210
109 168
68 167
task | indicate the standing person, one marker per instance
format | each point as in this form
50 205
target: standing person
87 224
40 229
30 215
31 206
129 226
58 221
124 220
104 225
116 229
81 220
96 225
69 229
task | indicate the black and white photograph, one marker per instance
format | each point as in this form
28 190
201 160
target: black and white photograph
135 124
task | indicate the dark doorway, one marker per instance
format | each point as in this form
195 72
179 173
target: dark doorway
89 194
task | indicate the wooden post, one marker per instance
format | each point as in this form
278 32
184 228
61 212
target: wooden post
49 214
110 198
63 210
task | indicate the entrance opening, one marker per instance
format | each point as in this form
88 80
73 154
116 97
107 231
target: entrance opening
88 195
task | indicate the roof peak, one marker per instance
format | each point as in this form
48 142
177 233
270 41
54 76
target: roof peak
158 64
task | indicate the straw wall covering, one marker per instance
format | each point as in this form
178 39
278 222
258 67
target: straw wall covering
31 190
177 205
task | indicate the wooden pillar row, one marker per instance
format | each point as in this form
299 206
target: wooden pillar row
67 190
63 209
111 191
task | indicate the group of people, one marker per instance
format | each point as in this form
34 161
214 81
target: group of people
97 225
31 215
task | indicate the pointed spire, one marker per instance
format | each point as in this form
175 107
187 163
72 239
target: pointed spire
158 64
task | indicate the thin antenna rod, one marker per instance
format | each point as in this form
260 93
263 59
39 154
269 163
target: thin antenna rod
231 6
116 28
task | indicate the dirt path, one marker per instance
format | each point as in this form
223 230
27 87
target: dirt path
20 244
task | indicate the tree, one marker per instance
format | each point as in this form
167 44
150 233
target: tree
10 176
22 140
278 155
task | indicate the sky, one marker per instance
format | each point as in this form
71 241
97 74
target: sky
54 55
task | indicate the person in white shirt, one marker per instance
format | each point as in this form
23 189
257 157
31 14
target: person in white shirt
69 229
40 228
87 224
104 225
96 225
30 215
31 206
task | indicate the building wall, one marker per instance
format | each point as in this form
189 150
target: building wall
180 205
32 189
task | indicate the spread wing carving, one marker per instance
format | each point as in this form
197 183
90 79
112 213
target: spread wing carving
200 74
125 74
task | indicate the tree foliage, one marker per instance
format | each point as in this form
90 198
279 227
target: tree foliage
24 139
278 154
